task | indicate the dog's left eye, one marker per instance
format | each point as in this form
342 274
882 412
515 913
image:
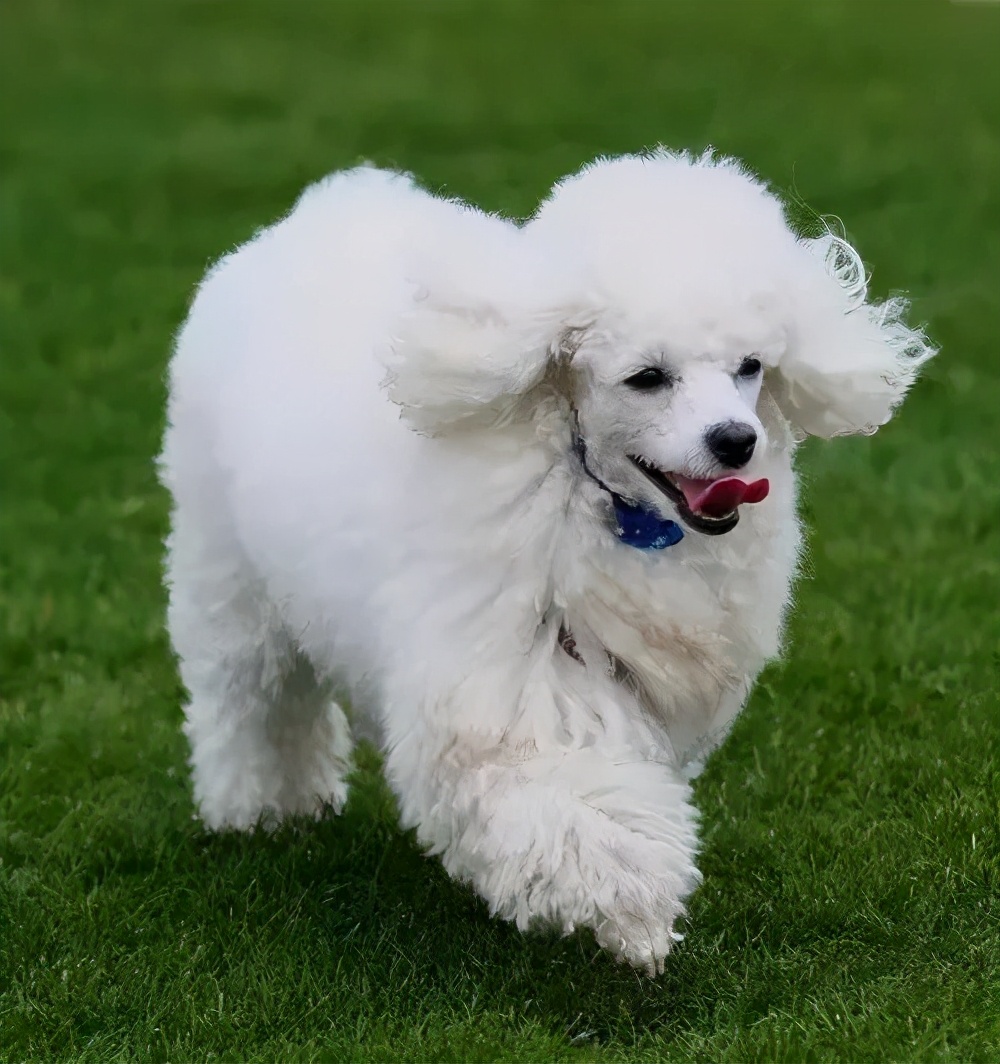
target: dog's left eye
646 379
749 367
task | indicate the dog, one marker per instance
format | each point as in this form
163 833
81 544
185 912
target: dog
523 493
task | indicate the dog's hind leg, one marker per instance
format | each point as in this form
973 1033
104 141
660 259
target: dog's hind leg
267 741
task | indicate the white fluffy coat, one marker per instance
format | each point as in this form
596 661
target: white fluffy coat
370 449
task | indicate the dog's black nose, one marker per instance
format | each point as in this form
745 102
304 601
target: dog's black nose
732 443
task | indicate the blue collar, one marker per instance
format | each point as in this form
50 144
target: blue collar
642 528
638 526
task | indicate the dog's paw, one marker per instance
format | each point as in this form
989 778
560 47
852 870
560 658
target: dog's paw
631 896
643 944
620 864
260 815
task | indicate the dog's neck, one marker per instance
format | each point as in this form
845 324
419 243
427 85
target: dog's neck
637 526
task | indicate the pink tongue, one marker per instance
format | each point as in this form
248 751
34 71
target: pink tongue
715 498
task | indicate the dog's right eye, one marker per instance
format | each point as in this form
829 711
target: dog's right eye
647 379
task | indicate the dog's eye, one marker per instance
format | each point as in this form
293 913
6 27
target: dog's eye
749 367
647 379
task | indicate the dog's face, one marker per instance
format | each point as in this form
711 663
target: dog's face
664 429
661 281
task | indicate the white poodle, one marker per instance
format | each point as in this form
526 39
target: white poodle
526 492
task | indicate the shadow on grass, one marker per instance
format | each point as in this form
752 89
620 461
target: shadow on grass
350 913
343 925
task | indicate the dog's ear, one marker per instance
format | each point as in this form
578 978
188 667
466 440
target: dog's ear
451 365
849 362
483 327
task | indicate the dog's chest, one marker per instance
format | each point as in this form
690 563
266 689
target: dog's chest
686 633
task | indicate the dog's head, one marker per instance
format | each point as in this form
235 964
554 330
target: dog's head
672 431
686 321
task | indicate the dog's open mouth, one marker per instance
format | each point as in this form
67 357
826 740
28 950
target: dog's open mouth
709 506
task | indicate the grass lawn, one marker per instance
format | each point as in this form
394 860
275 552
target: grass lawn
850 908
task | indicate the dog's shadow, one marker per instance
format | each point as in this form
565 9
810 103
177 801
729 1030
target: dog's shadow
351 902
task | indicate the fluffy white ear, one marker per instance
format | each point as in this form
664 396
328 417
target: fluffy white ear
849 362
450 364
481 331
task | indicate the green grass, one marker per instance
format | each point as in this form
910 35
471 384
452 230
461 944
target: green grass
852 865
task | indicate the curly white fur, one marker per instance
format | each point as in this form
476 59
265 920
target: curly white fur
435 565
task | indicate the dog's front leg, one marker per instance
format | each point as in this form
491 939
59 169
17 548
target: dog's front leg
560 819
